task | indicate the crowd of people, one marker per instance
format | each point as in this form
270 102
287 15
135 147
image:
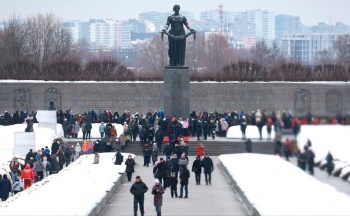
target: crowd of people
169 173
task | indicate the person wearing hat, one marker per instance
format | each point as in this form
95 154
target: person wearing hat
158 192
138 189
208 168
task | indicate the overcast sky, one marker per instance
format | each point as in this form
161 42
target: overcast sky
310 11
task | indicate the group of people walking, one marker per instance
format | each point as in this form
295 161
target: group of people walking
168 174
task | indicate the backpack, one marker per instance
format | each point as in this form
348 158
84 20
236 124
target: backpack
48 166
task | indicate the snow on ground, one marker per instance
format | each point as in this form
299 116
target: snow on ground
276 187
73 191
43 137
252 132
324 138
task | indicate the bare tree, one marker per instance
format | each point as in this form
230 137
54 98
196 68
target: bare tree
218 52
48 39
342 47
13 41
153 55
195 53
261 53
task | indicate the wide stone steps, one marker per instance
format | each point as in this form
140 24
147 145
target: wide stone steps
211 147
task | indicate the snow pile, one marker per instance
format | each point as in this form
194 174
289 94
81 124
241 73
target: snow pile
276 187
252 132
76 189
43 137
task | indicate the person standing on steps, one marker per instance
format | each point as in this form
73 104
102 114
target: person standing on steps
197 169
208 167
158 192
184 176
130 163
138 189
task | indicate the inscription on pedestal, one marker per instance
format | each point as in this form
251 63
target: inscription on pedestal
228 99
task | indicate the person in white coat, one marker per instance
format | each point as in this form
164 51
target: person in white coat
77 151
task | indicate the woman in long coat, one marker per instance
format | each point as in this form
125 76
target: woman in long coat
158 192
130 163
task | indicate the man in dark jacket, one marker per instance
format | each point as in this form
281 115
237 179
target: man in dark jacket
175 167
159 138
67 155
184 176
5 188
143 136
88 128
163 169
54 148
130 163
138 189
208 167
118 158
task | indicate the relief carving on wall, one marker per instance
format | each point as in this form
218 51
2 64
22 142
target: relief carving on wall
302 100
334 102
54 95
22 99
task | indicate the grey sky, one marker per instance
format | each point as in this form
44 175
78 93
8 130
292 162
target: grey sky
310 11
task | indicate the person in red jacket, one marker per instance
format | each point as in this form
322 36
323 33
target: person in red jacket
200 150
27 176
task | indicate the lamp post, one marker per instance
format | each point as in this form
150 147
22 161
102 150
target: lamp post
126 60
194 65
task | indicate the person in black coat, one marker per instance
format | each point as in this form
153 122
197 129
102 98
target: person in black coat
184 176
54 148
208 167
118 158
198 129
197 169
243 127
330 164
138 189
248 145
163 169
130 163
147 152
88 128
167 150
310 160
5 188
159 138
143 136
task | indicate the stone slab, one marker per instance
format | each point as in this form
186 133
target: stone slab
22 142
176 91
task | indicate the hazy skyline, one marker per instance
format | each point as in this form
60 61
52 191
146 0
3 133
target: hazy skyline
310 11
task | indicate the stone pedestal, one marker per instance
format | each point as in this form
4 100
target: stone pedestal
177 91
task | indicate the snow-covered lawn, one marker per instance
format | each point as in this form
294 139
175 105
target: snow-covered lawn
73 191
276 187
252 132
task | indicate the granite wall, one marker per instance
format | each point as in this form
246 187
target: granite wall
324 99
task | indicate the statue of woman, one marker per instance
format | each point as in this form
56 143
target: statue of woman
177 37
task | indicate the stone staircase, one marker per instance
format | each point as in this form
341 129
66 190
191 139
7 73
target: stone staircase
214 148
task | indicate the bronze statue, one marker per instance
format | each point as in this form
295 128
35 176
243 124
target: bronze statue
177 37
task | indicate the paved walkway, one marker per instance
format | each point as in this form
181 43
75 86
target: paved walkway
322 175
216 199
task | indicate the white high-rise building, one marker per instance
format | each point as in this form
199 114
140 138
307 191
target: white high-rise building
305 48
264 23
